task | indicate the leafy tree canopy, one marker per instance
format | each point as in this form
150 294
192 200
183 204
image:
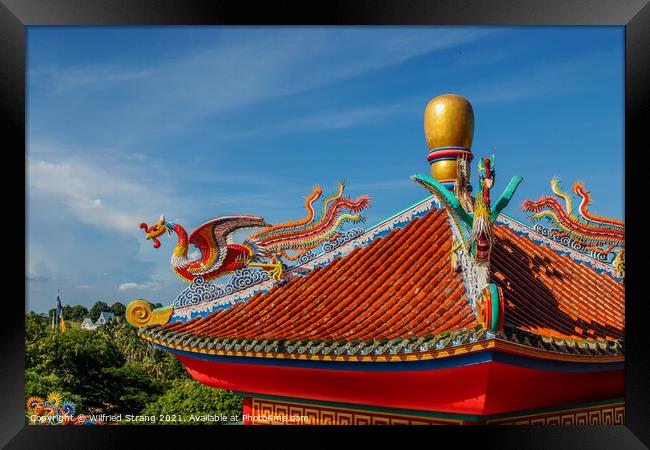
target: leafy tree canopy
98 307
194 401
110 370
118 309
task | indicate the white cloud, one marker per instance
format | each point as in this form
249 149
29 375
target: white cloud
246 67
338 119
96 196
149 286
98 75
34 277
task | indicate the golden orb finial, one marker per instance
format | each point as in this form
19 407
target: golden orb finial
449 130
449 122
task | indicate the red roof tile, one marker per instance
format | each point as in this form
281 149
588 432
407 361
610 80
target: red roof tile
398 286
402 286
551 294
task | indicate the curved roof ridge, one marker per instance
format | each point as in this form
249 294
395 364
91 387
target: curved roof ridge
242 289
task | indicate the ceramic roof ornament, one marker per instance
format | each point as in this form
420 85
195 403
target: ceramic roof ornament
218 255
449 129
600 236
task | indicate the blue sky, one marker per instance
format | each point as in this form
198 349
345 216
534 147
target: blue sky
126 123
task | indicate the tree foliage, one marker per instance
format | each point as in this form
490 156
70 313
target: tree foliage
194 401
75 313
98 308
110 370
118 309
78 313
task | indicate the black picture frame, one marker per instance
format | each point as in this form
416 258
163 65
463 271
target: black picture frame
16 15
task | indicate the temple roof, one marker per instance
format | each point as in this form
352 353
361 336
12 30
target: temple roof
399 295
550 294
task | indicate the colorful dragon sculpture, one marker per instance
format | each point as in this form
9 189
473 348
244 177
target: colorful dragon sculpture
601 235
219 255
474 219
472 229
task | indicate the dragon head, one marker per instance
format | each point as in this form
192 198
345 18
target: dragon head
157 229
486 172
482 226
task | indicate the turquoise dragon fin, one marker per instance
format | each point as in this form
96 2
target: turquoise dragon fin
507 194
445 196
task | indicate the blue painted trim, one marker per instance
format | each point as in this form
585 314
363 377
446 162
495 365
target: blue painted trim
444 158
379 366
448 148
431 364
555 366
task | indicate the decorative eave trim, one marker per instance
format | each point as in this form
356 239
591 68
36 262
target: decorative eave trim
416 349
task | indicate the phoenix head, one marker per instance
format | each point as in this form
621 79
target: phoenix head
486 172
157 229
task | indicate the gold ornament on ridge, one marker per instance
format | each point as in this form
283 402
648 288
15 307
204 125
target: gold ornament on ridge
140 314
449 122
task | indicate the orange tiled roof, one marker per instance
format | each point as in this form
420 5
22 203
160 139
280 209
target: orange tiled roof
401 287
398 286
551 294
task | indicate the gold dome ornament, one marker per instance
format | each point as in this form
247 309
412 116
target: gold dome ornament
449 122
449 131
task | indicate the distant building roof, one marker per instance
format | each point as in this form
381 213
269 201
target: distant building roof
105 317
87 324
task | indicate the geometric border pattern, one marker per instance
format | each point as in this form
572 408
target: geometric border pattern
275 412
613 414
271 412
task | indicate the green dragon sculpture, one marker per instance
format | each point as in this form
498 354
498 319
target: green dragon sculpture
472 224
475 225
